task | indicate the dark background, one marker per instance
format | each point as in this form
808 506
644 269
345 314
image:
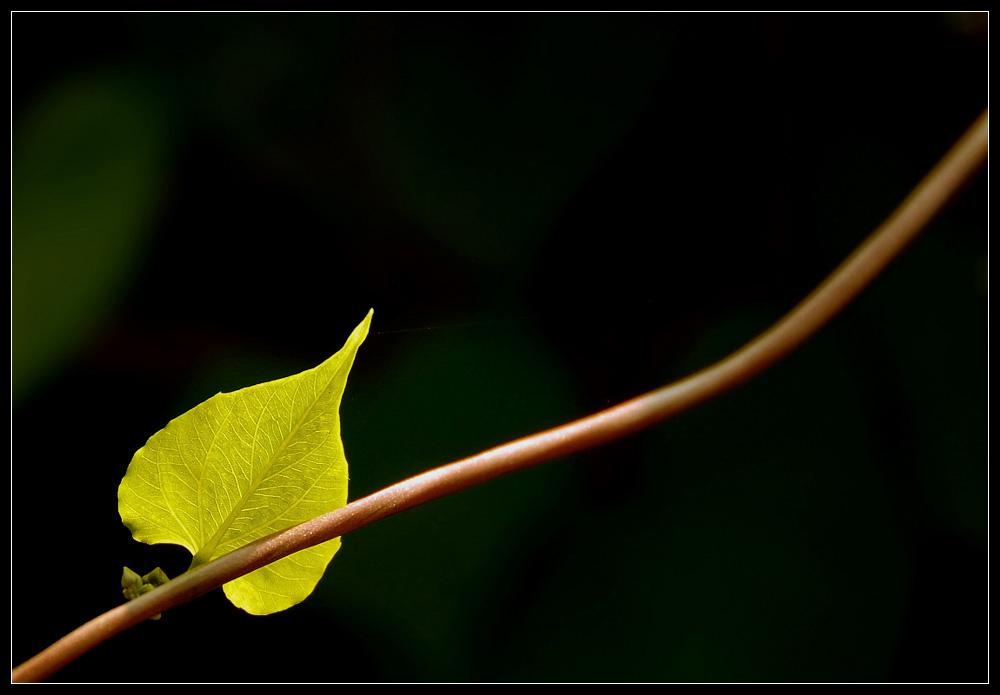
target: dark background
549 214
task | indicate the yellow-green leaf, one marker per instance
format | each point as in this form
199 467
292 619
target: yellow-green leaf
242 466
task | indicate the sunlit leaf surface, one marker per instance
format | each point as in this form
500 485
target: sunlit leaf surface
243 465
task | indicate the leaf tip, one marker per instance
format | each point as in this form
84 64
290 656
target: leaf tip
361 332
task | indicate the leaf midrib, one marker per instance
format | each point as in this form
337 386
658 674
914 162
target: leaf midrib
205 554
290 507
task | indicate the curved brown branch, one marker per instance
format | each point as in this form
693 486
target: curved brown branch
860 268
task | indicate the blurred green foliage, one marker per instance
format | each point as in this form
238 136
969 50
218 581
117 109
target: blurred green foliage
531 135
88 167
